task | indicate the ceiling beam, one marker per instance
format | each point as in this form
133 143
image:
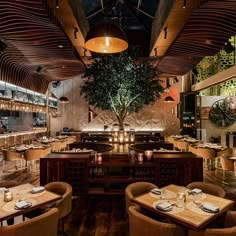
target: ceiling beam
215 79
174 23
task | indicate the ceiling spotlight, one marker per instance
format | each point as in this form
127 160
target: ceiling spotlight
57 4
169 99
184 3
165 33
75 32
106 38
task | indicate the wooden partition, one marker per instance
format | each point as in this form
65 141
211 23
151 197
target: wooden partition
116 171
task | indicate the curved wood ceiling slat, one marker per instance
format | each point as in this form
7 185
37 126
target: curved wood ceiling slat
205 33
34 38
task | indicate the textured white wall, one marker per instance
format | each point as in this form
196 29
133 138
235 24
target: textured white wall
156 117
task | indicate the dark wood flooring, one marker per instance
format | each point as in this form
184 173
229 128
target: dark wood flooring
104 215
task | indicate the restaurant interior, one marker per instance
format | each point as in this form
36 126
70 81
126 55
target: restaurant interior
118 117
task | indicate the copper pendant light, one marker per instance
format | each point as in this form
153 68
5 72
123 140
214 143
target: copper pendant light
63 99
106 38
169 99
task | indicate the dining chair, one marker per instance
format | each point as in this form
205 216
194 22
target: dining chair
64 205
208 156
32 156
41 225
208 188
11 155
55 146
140 225
136 189
226 226
227 165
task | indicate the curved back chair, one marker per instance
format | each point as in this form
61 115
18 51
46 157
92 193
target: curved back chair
226 164
42 225
8 184
63 205
63 144
32 155
208 156
209 188
71 139
55 146
136 189
11 155
228 228
46 151
141 225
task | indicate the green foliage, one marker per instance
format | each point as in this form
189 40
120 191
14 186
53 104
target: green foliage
116 82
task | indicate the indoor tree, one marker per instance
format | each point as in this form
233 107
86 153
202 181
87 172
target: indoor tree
118 83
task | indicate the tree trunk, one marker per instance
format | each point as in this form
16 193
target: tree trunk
121 122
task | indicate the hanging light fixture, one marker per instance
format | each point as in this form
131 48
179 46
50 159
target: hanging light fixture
63 99
169 99
106 38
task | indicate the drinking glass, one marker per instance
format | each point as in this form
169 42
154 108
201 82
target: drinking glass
197 198
180 201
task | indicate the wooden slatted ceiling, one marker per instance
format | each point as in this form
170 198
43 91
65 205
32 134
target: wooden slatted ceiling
204 34
32 34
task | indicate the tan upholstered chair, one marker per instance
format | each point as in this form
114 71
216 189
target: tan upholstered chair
10 155
227 165
208 156
140 225
42 225
209 188
71 139
55 146
136 189
227 229
32 156
63 205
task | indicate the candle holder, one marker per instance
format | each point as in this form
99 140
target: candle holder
8 196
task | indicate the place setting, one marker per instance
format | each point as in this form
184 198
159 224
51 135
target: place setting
162 193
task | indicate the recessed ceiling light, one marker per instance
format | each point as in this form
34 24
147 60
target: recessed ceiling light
60 46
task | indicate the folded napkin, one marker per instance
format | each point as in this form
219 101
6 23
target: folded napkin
22 204
210 207
156 191
195 190
164 206
37 189
2 190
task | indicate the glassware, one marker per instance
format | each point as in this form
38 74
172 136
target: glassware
197 198
180 201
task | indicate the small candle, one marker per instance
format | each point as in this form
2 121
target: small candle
8 196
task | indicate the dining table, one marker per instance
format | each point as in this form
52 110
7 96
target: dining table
191 215
24 192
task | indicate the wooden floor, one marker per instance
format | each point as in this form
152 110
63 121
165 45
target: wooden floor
103 216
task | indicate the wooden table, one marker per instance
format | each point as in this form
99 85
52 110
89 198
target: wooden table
191 219
7 210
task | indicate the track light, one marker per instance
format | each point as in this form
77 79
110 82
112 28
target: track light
168 85
176 80
155 50
75 32
3 46
57 4
165 33
184 3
